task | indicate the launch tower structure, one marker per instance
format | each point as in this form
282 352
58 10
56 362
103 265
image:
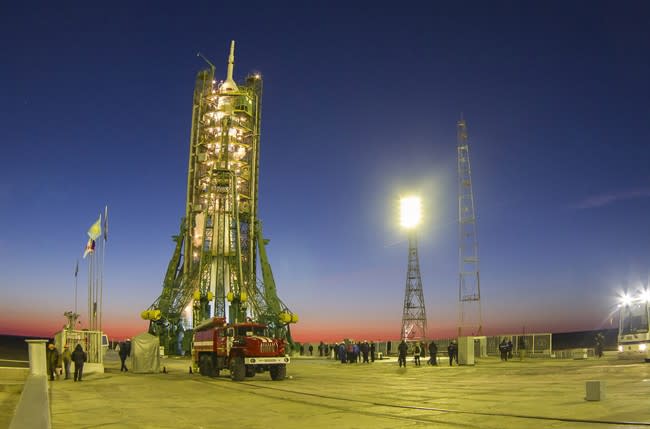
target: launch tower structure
213 272
469 284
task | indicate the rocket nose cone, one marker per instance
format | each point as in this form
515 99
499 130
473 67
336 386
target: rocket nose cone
228 86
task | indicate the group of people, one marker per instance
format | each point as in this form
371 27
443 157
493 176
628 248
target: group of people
351 352
56 360
418 350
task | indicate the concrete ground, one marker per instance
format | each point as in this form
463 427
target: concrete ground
322 393
12 381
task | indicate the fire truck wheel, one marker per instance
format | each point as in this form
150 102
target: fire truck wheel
210 370
250 371
202 365
237 369
278 372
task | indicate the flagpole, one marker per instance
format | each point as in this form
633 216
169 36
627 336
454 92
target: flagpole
97 268
100 287
76 271
90 274
101 281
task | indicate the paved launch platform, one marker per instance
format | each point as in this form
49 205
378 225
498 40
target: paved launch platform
322 393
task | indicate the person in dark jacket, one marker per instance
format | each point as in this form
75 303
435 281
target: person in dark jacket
372 351
503 350
433 352
600 343
343 354
125 351
78 357
452 351
365 348
52 357
402 349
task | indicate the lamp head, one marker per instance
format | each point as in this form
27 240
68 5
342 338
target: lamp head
410 212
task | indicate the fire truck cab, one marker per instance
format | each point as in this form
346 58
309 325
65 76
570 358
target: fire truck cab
243 348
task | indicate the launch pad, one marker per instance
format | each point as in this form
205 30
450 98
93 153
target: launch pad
324 393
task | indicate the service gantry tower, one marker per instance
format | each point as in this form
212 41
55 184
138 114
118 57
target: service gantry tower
213 271
469 284
414 315
221 208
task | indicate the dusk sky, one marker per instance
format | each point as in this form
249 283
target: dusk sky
360 106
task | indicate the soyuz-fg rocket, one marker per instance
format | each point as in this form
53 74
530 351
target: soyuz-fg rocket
222 185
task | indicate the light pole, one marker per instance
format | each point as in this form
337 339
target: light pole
414 317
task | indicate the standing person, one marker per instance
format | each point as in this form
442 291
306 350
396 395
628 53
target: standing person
343 353
503 350
67 358
416 354
365 348
124 353
52 358
372 351
452 351
357 352
600 342
433 352
311 350
402 349
509 349
79 357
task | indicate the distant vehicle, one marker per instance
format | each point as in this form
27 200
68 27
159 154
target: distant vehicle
633 332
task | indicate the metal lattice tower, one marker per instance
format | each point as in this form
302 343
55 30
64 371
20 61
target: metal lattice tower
414 316
469 284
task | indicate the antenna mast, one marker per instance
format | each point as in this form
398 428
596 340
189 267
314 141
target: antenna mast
469 285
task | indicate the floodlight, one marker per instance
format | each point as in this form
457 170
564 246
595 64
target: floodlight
644 296
410 212
625 300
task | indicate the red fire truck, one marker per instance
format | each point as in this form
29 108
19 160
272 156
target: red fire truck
243 348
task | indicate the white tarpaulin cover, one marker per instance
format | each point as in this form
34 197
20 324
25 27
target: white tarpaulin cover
144 354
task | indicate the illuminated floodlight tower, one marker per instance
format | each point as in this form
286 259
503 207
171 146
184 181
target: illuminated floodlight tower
469 284
414 316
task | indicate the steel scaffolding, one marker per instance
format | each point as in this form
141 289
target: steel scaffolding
414 316
469 284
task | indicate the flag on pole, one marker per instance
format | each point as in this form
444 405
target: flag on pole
95 229
106 223
76 268
90 247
